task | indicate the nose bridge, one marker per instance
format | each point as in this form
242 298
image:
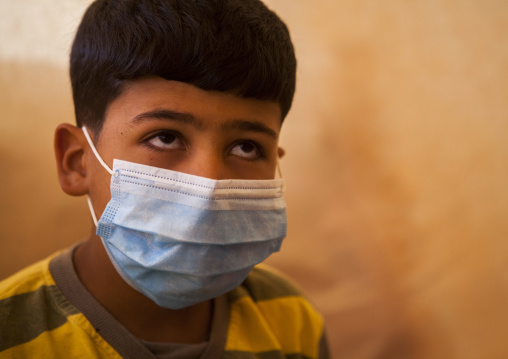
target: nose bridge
209 164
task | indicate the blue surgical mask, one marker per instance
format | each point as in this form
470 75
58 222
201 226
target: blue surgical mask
182 239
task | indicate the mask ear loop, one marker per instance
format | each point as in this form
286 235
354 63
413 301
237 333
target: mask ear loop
279 172
101 161
92 146
94 217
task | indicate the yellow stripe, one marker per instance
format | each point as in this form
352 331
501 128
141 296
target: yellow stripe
288 324
295 323
89 331
67 341
246 323
28 279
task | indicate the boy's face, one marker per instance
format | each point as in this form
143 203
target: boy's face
180 127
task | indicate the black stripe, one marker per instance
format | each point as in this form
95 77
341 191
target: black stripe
263 284
275 354
24 317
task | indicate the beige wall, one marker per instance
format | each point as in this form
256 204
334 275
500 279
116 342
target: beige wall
396 166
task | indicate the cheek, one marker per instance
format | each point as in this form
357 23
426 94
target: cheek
266 171
270 168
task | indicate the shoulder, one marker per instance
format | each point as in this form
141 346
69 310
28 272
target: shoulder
270 313
36 317
272 291
27 305
265 283
27 280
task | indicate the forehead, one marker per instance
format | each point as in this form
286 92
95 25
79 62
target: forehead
208 109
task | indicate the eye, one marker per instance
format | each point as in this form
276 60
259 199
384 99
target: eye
247 150
165 140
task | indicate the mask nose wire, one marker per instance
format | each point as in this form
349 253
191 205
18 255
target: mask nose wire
101 161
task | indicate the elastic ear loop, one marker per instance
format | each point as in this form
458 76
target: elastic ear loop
279 172
92 146
101 161
94 217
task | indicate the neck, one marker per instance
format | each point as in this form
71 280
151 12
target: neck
136 312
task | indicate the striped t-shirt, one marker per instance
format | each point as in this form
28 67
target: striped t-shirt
45 312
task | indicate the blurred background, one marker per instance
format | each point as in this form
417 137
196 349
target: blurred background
396 166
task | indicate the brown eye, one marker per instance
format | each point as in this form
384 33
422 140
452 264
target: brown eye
166 141
166 138
247 150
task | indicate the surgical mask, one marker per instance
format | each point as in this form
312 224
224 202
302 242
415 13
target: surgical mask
182 239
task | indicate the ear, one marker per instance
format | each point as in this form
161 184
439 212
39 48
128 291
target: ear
70 160
281 152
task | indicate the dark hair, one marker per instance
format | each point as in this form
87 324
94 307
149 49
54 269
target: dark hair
236 46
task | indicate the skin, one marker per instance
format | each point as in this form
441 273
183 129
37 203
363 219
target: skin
170 125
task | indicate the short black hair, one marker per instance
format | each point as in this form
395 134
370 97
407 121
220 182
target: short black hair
236 46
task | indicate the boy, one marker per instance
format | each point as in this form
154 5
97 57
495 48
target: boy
179 106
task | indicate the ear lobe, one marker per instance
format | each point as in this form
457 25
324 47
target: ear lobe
281 152
70 162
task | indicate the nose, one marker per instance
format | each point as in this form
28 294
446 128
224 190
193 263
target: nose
208 165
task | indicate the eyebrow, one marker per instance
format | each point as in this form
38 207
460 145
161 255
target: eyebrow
187 118
251 126
163 114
